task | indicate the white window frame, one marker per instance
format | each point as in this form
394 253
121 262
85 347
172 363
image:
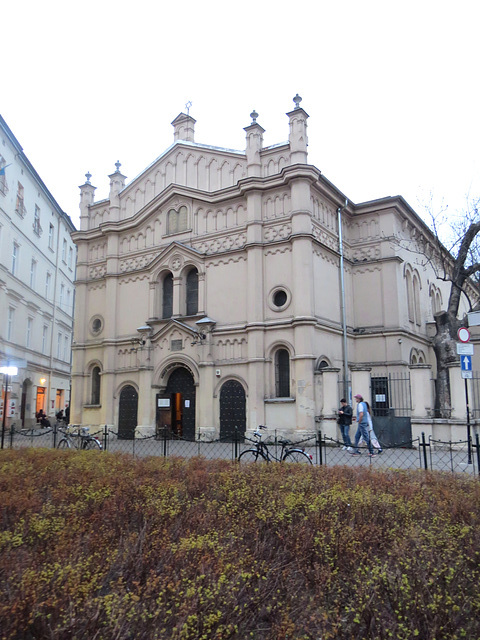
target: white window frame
33 273
29 332
10 322
59 346
51 236
15 257
44 338
37 228
48 283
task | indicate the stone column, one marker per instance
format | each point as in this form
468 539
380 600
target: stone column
361 384
298 133
117 183
457 391
421 390
254 144
87 193
327 404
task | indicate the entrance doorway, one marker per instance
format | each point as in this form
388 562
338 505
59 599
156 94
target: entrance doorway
41 399
176 405
232 410
127 413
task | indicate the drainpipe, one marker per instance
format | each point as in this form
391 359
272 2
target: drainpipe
344 314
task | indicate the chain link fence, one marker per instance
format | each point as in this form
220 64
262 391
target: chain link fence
421 453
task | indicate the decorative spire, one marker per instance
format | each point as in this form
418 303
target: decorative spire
297 99
254 116
88 175
187 106
117 166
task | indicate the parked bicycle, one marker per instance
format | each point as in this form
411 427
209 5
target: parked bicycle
261 453
79 439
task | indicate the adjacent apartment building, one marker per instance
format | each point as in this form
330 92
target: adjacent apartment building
224 289
37 271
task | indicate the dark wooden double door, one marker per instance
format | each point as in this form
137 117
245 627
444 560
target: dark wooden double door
175 414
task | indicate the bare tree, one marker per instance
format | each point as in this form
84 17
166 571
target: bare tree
461 267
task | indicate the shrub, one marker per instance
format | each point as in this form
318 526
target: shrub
96 545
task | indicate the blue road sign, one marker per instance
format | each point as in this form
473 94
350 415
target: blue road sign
466 362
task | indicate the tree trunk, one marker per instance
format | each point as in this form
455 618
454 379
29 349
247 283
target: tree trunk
444 346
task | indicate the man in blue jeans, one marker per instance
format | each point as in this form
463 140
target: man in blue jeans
362 428
344 421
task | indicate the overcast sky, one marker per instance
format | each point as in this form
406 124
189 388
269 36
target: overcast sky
391 88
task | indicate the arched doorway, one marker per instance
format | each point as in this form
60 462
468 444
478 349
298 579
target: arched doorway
232 410
176 405
127 413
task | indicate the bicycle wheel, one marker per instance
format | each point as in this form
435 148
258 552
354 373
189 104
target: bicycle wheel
251 455
63 444
92 443
297 455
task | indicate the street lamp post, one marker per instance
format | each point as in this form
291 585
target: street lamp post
7 371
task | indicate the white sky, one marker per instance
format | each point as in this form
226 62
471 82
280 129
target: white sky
392 88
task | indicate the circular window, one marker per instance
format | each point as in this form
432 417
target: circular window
96 325
279 298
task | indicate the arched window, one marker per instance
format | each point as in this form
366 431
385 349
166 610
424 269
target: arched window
167 296
416 299
410 301
192 292
95 397
282 374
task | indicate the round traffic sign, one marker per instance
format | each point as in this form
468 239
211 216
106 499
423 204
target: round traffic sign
463 334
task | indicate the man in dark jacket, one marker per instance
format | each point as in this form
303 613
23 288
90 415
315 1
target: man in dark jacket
344 421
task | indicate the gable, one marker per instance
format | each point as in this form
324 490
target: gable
186 164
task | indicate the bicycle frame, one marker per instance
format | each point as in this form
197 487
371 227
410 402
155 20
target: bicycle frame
264 451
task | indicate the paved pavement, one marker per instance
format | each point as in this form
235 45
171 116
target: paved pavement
440 457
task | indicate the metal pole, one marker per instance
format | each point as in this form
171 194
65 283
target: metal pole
4 408
344 315
469 435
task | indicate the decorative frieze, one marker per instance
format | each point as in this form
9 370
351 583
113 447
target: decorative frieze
221 244
277 232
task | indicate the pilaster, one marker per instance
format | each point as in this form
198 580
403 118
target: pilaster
421 390
254 144
298 133
87 194
117 183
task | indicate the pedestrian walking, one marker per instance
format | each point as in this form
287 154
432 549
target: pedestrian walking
373 437
345 416
362 426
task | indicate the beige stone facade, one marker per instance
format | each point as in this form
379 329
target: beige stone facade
37 272
209 295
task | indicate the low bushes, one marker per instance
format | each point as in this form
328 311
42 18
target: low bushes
105 547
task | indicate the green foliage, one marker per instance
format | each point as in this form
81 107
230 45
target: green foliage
94 545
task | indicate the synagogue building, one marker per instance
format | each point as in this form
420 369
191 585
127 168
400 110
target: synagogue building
224 289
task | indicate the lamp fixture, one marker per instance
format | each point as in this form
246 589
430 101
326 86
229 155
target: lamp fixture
205 326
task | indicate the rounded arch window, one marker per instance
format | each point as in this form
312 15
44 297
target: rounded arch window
192 292
279 298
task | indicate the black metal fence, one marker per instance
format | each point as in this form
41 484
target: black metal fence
421 453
